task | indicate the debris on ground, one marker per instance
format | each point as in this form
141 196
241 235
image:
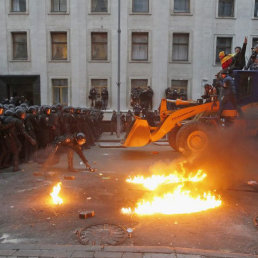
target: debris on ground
106 178
69 177
86 214
252 182
255 220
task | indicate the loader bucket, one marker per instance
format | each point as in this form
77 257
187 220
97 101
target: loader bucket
139 135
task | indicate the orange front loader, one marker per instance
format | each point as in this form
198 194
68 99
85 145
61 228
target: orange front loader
142 134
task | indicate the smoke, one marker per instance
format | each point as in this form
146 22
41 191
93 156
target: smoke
231 158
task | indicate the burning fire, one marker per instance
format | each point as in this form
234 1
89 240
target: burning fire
55 198
180 200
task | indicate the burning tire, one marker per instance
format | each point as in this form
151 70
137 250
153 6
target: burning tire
192 138
172 138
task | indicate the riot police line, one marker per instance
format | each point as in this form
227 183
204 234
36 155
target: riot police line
26 131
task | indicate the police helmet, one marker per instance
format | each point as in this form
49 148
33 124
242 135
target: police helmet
80 136
20 113
9 112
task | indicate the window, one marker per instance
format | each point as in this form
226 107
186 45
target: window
140 46
99 6
180 47
181 6
140 6
180 86
19 45
60 91
139 83
256 9
58 5
99 85
18 5
223 44
226 8
59 45
99 46
255 42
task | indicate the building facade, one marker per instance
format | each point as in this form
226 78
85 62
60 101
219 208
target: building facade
55 51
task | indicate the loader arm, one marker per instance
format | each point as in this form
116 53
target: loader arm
182 114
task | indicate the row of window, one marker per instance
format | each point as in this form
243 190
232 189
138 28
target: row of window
60 87
99 46
226 8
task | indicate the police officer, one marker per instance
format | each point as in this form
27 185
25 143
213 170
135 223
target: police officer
104 98
71 144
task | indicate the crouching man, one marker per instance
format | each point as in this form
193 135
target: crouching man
69 144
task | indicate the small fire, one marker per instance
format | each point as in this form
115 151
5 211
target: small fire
55 198
180 200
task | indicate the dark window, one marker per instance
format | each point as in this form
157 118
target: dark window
256 9
60 91
99 85
99 6
139 83
140 46
18 5
181 6
226 8
99 46
140 6
180 46
179 87
58 5
255 42
59 45
20 45
223 44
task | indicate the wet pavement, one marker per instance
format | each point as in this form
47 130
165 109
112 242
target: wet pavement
28 217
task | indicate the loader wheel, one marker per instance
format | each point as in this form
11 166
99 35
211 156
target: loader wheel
192 138
172 138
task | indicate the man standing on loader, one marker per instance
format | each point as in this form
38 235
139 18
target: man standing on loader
228 93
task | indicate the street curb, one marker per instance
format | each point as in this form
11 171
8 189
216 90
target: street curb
126 249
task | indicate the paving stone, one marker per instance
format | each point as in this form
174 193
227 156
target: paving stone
132 255
7 252
56 253
188 256
108 255
111 145
80 254
27 253
152 255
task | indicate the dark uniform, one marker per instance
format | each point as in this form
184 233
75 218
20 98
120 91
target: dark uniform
16 133
71 144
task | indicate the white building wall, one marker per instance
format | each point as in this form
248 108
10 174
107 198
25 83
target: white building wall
202 24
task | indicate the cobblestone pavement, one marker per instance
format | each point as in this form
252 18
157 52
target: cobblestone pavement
75 251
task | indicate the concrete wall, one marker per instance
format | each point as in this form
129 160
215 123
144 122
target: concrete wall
202 24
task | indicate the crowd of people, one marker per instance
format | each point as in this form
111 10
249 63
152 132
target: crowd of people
26 130
224 85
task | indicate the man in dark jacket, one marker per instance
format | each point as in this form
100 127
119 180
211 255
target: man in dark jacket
238 62
71 144
228 95
104 98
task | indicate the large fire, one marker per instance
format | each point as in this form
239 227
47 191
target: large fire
181 198
55 198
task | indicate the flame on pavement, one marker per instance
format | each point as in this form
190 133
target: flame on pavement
183 196
55 198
